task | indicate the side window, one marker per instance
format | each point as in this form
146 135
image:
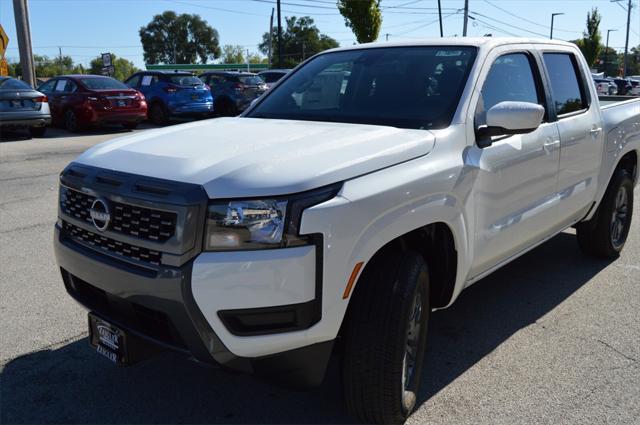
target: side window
567 89
48 86
133 81
149 80
60 86
510 78
71 87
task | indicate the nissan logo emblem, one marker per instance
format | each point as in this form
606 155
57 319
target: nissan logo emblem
100 215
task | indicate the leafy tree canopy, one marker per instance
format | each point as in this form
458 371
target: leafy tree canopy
300 40
184 38
363 17
591 42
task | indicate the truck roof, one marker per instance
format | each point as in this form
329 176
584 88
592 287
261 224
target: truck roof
456 41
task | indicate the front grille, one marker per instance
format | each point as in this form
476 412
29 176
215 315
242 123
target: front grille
144 223
108 245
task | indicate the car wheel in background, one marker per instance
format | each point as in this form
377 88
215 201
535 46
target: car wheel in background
224 107
37 131
158 114
71 121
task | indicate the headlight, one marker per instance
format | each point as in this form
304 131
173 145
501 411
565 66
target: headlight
260 224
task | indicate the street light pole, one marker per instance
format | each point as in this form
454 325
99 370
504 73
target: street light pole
606 51
553 15
440 18
466 18
280 65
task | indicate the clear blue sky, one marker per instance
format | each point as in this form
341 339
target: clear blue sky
85 28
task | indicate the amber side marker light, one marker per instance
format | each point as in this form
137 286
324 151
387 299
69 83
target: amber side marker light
352 280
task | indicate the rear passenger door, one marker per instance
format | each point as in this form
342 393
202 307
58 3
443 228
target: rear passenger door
581 133
515 188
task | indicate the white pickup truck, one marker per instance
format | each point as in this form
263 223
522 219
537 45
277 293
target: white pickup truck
370 186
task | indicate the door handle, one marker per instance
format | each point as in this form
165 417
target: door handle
549 145
595 131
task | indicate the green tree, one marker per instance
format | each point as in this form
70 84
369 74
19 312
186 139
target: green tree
363 17
232 54
257 58
609 62
300 40
591 42
173 38
122 68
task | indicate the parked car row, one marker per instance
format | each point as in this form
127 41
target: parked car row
617 86
76 102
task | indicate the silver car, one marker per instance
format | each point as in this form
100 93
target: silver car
23 107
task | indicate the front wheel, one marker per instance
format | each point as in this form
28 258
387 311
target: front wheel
385 337
606 233
158 114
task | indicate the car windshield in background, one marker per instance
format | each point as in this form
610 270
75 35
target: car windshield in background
251 80
405 87
105 83
13 84
185 80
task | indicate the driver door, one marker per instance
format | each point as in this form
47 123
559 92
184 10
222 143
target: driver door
515 189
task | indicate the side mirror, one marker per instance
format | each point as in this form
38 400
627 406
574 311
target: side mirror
509 118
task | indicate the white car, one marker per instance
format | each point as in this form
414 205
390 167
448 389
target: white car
257 242
605 87
272 76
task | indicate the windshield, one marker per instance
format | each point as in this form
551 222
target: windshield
186 80
13 84
105 83
406 87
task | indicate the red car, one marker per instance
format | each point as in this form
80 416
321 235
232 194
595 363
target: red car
80 101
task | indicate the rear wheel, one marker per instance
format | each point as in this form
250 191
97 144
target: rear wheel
158 114
71 121
385 337
605 234
37 131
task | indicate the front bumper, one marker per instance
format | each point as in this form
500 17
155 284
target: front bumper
161 309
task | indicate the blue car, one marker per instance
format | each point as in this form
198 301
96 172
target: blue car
172 94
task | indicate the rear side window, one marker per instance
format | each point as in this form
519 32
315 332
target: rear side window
566 84
48 86
510 79
133 81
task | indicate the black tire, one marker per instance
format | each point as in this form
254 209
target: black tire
377 333
224 107
158 114
71 121
130 125
37 131
604 235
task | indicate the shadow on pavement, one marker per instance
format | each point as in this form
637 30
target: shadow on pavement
73 384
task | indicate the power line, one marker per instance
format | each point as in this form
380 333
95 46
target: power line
509 25
527 20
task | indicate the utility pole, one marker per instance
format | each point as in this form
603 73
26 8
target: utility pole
248 67
553 15
440 18
466 18
303 51
387 34
626 43
60 60
270 37
21 13
606 52
280 65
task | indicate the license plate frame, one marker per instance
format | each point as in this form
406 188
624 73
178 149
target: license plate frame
121 103
108 340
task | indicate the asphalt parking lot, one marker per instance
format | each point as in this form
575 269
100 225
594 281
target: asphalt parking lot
552 338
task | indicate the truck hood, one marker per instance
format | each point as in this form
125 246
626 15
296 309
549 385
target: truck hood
239 157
